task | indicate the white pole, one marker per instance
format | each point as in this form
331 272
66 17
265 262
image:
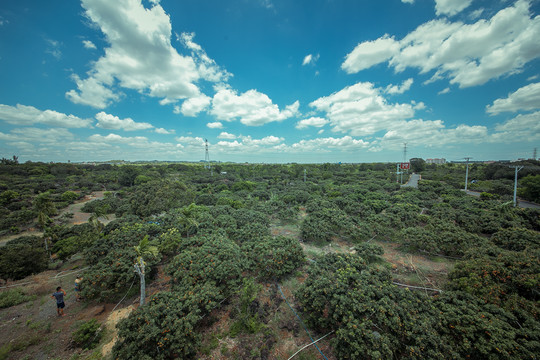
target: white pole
467 174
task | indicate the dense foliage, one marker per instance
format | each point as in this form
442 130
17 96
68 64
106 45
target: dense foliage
219 242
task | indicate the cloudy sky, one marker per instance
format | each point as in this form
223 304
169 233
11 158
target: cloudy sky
269 80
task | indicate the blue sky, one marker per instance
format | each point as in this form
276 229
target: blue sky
269 80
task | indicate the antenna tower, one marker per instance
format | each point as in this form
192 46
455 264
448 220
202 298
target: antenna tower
405 152
206 155
534 154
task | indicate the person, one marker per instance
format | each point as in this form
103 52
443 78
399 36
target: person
59 296
78 288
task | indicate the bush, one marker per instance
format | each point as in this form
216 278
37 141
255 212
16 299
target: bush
12 297
22 257
69 196
88 334
212 258
272 258
166 327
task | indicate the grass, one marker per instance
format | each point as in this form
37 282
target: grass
14 297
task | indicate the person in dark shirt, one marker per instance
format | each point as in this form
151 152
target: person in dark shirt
59 296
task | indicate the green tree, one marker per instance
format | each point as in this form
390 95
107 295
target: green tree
530 187
418 164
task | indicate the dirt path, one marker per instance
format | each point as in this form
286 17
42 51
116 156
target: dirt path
79 217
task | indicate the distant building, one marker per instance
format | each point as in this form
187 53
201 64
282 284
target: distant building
436 161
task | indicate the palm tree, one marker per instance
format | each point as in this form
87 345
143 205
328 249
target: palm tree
144 249
99 212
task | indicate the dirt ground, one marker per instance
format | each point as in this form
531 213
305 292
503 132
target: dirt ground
78 218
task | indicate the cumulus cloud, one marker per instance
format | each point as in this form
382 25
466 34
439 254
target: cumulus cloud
226 136
525 98
88 44
408 1
215 125
111 122
431 133
451 7
115 138
396 89
207 67
41 136
324 145
312 121
310 59
193 106
361 110
370 53
521 128
252 108
163 131
140 57
29 115
467 54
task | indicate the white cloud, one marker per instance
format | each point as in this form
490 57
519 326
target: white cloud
370 53
312 121
208 69
190 141
53 48
324 145
215 125
266 141
194 105
525 98
111 122
115 138
226 136
444 91
164 131
252 107
395 89
431 133
451 7
51 136
408 1
521 128
361 110
140 57
310 59
467 54
88 44
29 115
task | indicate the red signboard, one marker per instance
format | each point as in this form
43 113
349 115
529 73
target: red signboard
405 166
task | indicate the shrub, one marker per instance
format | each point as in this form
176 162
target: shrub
88 334
22 257
12 297
209 258
166 327
69 196
273 257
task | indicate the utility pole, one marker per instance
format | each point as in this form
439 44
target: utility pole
467 173
515 182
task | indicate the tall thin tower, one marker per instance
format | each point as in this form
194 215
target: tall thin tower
404 152
206 155
534 154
